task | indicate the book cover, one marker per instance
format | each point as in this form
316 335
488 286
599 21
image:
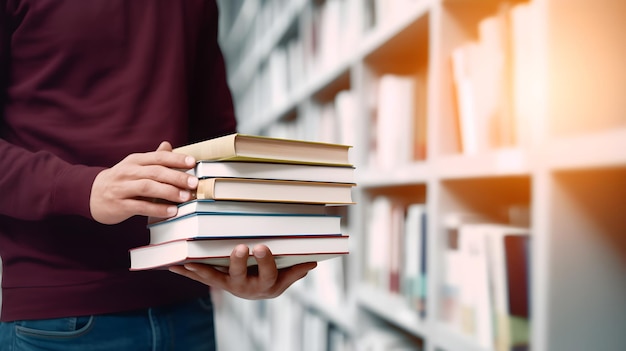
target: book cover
276 171
243 147
241 224
242 207
274 191
413 254
495 235
288 250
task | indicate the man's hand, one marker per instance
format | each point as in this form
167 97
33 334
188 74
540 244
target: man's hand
267 282
127 189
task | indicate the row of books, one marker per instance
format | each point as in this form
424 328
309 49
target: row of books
395 100
256 190
396 240
331 122
328 33
486 291
495 81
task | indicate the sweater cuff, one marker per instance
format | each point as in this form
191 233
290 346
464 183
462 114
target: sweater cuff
72 190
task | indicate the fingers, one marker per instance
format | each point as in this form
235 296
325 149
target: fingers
268 282
124 190
164 146
162 158
268 273
161 183
238 269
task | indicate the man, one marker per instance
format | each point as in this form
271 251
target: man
89 90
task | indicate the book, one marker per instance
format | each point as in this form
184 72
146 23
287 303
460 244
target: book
475 295
213 206
217 225
288 251
396 107
496 235
378 245
277 171
243 147
518 260
274 191
413 251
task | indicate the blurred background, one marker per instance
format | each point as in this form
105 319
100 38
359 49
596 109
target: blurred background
489 139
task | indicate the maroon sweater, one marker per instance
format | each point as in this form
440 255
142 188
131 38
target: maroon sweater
84 84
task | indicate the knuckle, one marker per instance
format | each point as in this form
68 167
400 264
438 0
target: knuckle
145 186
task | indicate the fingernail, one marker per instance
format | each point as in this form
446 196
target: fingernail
184 195
192 182
241 251
190 161
172 210
190 268
259 253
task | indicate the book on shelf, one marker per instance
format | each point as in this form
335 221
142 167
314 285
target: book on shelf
287 250
395 248
453 260
243 147
475 295
482 77
487 272
396 107
378 246
518 258
242 207
346 106
218 225
327 282
414 264
276 171
274 190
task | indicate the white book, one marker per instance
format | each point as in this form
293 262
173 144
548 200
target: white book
216 225
496 258
378 245
396 98
475 292
278 171
249 207
288 251
266 190
471 126
412 269
347 110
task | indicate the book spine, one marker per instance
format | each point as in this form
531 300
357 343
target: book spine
205 190
218 148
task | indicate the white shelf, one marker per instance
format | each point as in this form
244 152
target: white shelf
449 339
392 308
503 162
380 35
341 316
603 149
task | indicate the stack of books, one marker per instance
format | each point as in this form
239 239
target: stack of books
256 190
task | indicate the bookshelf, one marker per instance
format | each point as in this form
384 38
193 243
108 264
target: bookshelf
313 69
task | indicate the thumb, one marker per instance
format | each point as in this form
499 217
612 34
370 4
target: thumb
164 146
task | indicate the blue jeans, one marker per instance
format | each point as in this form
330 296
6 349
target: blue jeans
186 326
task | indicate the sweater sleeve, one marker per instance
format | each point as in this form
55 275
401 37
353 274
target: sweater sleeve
35 185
